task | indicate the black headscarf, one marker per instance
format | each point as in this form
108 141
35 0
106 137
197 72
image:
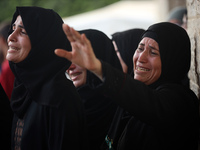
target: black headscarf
174 46
127 42
38 76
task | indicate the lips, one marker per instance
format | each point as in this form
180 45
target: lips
141 69
12 48
74 75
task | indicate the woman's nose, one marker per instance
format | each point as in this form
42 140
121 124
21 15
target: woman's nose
143 57
12 36
71 67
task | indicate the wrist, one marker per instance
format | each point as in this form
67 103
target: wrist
98 70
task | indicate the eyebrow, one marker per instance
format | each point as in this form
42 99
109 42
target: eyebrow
149 46
153 48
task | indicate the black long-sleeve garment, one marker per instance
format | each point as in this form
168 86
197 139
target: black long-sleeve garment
51 127
163 117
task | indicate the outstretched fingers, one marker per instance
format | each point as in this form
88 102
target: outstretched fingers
82 52
63 53
66 29
85 40
71 34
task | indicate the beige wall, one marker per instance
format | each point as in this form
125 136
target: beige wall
167 5
193 7
174 3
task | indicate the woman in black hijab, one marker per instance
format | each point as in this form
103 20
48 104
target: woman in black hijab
48 113
126 42
100 109
164 112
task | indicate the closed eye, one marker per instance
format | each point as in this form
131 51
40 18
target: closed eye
22 29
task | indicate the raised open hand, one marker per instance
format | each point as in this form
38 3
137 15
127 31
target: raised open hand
82 52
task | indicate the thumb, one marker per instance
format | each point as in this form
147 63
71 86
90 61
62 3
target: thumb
63 53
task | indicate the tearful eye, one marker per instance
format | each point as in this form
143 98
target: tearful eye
140 49
23 32
153 52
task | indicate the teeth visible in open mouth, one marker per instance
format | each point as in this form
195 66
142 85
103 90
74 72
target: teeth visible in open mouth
74 75
14 48
142 69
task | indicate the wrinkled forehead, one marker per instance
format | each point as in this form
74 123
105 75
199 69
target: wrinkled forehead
160 39
149 42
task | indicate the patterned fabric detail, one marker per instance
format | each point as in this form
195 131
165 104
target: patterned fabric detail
18 134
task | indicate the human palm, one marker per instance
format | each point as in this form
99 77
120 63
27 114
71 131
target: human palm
82 52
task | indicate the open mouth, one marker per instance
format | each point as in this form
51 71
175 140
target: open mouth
13 48
142 69
74 75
